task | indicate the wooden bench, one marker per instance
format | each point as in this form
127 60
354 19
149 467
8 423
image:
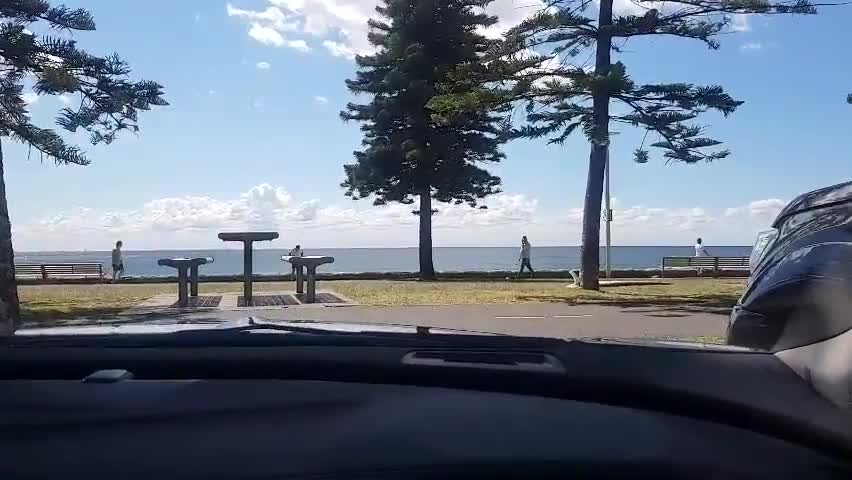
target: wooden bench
64 270
704 263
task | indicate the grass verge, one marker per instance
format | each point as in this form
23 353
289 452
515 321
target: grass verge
68 301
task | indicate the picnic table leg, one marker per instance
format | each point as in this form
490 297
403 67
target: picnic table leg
193 281
247 267
183 301
300 280
312 285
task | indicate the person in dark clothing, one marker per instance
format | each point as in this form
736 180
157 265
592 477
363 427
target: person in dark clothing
524 257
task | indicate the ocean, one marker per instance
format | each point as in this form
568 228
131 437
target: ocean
354 260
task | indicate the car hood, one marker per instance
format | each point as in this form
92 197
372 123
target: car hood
823 197
167 326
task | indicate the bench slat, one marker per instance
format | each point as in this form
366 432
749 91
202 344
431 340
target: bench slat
46 270
713 263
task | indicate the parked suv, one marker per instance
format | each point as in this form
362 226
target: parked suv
800 289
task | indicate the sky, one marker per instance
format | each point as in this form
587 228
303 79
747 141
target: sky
252 138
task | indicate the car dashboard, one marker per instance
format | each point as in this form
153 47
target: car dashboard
601 410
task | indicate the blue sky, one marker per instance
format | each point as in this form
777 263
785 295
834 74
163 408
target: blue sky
252 138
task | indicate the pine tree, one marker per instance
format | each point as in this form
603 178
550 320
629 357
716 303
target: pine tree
535 64
107 102
407 153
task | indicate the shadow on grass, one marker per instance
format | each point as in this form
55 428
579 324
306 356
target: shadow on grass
648 305
107 316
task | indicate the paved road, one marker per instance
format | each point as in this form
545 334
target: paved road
552 320
533 319
530 319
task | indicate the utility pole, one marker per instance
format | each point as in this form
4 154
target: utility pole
608 217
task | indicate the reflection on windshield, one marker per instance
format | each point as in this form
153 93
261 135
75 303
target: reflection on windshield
537 170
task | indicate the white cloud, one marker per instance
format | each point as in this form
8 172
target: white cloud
341 25
299 45
30 98
272 17
197 17
265 35
167 222
194 221
633 7
751 47
740 23
65 98
768 208
509 13
211 92
263 65
339 50
320 99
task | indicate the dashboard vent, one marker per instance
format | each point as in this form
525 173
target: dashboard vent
494 360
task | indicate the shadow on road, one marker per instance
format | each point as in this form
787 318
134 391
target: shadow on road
78 317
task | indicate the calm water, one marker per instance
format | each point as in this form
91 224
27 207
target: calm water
351 260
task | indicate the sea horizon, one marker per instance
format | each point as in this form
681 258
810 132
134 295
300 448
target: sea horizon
229 261
258 246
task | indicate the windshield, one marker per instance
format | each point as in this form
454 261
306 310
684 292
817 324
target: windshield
564 169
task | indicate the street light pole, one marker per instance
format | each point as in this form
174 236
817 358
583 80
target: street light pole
608 218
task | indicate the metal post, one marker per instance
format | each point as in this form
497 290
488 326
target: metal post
183 301
312 284
247 264
193 281
608 217
300 279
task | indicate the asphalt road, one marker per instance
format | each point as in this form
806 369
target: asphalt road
533 319
529 319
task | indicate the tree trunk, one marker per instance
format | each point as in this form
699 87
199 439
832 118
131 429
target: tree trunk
9 308
427 269
590 249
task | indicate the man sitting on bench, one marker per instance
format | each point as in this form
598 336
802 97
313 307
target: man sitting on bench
700 251
296 252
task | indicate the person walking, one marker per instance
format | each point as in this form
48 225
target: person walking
117 262
296 252
524 257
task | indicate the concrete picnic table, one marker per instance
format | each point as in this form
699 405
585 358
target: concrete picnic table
182 264
311 262
248 238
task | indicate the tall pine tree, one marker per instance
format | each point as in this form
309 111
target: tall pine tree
106 102
537 63
407 153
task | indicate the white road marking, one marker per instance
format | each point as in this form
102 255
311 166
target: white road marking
545 316
572 316
522 317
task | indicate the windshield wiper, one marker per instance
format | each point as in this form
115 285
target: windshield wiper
254 327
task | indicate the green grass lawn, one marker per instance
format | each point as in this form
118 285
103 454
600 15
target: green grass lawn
381 292
68 301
